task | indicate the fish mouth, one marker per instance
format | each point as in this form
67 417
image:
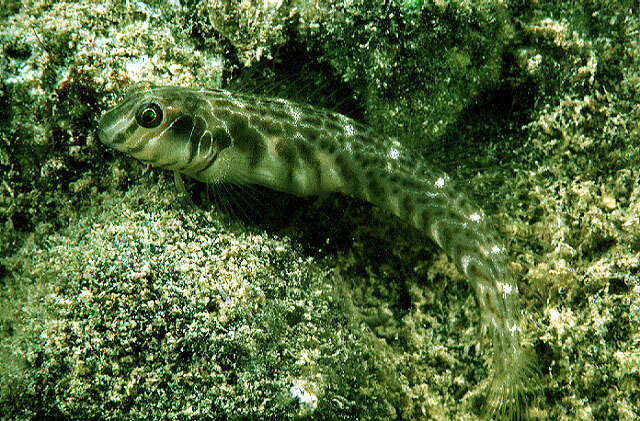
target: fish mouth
102 135
105 131
114 121
111 138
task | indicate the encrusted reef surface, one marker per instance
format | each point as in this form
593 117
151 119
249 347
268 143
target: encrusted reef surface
120 300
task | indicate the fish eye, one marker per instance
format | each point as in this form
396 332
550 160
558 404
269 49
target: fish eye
149 115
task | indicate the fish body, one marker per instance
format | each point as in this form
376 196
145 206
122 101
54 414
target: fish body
217 136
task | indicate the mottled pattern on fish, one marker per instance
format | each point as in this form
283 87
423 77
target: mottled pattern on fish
217 136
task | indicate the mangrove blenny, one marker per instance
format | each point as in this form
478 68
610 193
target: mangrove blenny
217 136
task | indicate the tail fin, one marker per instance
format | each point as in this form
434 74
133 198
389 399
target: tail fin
515 374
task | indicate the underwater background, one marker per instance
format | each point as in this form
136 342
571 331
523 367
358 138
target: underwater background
120 300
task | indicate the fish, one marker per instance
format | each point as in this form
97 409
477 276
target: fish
218 136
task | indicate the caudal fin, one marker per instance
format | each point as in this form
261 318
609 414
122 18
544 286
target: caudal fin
515 377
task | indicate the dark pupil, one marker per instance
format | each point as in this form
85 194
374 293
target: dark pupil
148 115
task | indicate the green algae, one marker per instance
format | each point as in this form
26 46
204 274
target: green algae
133 322
113 291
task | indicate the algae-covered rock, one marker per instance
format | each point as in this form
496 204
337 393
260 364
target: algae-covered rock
143 310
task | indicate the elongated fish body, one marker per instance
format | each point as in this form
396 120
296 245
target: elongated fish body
218 136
